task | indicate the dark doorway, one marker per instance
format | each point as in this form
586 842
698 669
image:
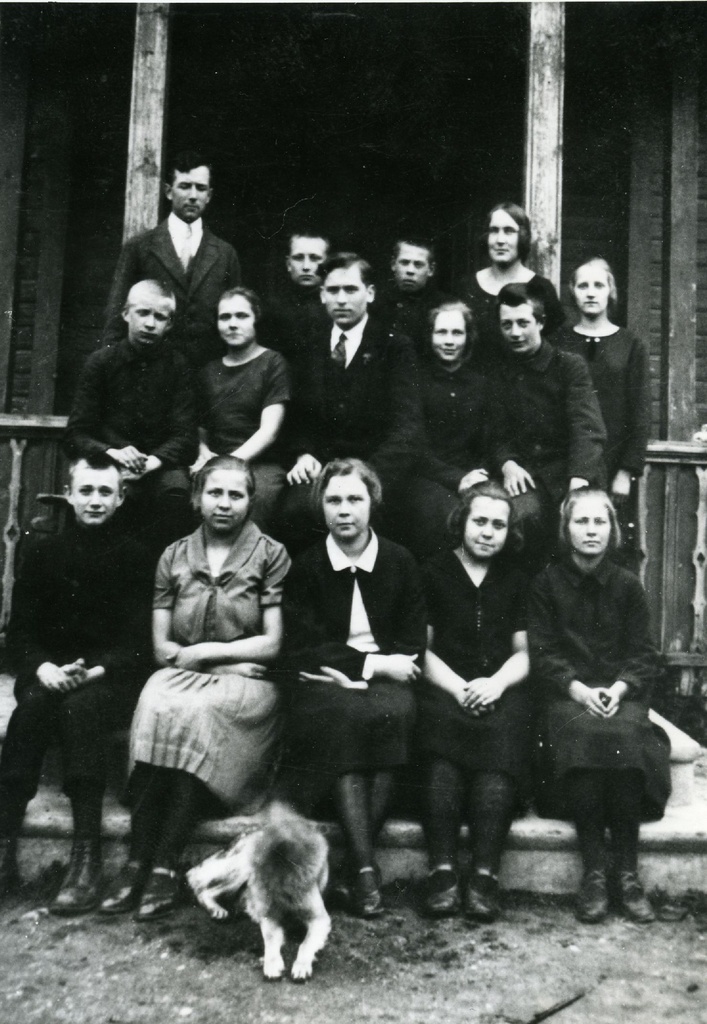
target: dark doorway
361 120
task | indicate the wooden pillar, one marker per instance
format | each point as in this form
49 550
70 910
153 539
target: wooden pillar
543 139
682 249
645 215
147 108
13 112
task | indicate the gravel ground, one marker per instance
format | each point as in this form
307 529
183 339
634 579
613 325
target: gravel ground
399 968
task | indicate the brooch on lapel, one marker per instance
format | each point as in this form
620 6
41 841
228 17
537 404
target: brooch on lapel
367 356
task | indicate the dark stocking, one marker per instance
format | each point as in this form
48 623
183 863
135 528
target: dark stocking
13 805
86 806
352 806
585 795
149 795
623 805
382 789
188 798
442 811
491 798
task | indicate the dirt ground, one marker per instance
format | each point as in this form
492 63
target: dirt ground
399 968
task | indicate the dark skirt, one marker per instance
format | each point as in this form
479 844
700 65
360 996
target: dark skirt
571 738
331 731
499 741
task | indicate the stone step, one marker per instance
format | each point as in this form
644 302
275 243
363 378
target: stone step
541 855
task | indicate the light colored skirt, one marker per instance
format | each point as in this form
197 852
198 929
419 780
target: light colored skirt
222 728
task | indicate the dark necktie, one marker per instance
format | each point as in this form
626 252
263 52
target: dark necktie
338 353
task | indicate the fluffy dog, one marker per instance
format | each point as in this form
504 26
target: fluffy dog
282 868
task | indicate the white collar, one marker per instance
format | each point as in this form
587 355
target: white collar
179 229
340 560
353 334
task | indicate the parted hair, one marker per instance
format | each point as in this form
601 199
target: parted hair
518 214
199 479
456 306
456 523
344 260
249 295
606 267
521 295
567 508
184 161
348 467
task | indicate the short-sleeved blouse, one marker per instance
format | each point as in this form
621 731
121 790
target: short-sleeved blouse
232 398
230 606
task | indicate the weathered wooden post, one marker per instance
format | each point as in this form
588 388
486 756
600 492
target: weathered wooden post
543 137
147 107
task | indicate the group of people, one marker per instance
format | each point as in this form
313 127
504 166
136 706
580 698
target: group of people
447 478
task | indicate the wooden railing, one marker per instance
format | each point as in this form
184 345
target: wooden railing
31 463
671 529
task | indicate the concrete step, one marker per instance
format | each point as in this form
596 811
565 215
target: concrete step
541 855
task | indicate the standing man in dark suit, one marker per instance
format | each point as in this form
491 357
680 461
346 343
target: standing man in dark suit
294 312
404 304
181 252
355 395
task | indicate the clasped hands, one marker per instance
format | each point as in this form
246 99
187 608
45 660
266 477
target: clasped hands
134 463
398 668
63 678
479 696
600 701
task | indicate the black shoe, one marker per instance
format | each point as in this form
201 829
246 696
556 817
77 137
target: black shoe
10 880
632 899
160 895
126 888
442 896
481 898
592 900
366 897
80 890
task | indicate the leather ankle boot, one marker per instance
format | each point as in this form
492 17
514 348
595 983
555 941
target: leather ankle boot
80 890
9 869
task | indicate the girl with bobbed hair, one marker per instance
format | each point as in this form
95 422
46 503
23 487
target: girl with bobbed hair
474 710
462 430
354 632
618 362
505 245
243 397
205 730
604 764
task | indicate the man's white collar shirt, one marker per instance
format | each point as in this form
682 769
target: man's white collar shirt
179 231
354 336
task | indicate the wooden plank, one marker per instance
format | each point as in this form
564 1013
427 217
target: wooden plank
543 141
147 106
646 164
682 256
13 109
54 122
699 560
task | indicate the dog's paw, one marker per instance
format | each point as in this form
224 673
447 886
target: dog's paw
301 970
273 968
218 913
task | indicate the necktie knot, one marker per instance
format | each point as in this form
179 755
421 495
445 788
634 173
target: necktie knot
338 353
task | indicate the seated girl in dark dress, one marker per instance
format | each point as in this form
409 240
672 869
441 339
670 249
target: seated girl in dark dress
604 763
474 712
354 631
462 428
505 243
242 399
